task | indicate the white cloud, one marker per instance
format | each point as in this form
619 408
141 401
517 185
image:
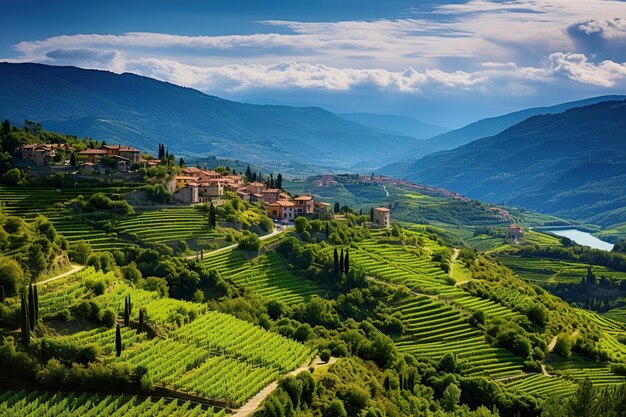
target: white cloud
480 45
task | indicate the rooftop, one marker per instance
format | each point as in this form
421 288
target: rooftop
383 209
303 198
93 152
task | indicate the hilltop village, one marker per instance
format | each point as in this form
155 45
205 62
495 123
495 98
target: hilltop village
192 185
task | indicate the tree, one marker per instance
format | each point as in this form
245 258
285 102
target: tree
37 259
181 162
126 312
32 314
336 259
271 181
11 275
249 173
141 320
24 322
583 403
341 261
12 176
279 181
118 342
336 409
327 231
346 262
451 397
161 152
336 208
212 218
6 127
73 159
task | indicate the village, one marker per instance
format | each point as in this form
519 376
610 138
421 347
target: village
192 186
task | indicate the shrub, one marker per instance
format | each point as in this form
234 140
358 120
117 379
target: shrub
108 318
563 346
11 276
325 355
249 241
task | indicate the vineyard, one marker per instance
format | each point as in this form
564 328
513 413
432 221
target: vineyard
266 275
204 353
165 225
50 404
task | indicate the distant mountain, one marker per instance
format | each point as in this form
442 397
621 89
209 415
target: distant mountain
394 124
489 127
142 111
571 164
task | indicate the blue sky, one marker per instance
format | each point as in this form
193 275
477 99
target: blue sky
443 62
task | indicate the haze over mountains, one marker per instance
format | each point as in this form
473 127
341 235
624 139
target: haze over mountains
142 111
572 164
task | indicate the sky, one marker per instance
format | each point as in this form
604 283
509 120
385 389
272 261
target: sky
443 62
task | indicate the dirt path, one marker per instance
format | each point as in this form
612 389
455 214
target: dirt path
275 232
543 371
253 403
75 268
552 343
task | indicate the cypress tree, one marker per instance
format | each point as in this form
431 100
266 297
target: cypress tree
118 342
372 214
25 325
336 258
130 306
336 209
212 219
346 262
73 159
341 261
181 162
271 181
248 173
36 297
279 181
327 230
31 307
126 312
141 318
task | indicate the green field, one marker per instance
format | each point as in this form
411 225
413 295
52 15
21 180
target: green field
41 403
552 271
205 353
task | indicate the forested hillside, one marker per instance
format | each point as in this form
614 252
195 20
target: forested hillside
142 112
571 164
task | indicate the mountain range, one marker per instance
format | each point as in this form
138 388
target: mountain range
142 112
492 126
571 164
396 124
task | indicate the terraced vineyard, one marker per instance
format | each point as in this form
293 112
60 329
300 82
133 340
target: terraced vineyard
207 353
74 230
433 329
541 270
266 275
578 368
32 201
543 386
40 403
184 223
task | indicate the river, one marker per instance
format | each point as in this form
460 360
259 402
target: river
582 238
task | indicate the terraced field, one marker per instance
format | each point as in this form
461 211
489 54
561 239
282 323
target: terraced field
169 224
579 368
266 275
543 386
74 230
40 404
32 201
207 353
540 270
434 328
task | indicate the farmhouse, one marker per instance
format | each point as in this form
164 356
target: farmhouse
516 232
282 210
381 217
40 153
304 204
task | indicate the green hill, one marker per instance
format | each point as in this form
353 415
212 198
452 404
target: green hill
571 164
142 112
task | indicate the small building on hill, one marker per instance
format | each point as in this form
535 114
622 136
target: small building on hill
304 204
282 210
87 168
381 217
93 155
271 195
187 194
516 232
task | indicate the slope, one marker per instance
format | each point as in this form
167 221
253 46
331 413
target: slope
571 164
480 129
141 112
395 124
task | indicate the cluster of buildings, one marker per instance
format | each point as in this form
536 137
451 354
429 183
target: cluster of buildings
90 160
196 185
41 153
